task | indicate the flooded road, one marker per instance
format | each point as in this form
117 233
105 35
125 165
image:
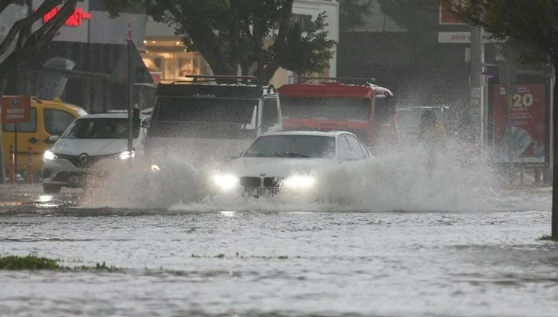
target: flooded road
194 261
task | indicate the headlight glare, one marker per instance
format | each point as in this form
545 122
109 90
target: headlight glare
126 155
225 182
49 156
299 182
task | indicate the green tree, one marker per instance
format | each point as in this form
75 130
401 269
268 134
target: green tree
257 36
352 13
533 23
28 43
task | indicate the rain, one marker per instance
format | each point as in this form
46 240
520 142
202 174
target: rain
278 158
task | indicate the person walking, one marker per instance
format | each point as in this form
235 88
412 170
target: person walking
432 136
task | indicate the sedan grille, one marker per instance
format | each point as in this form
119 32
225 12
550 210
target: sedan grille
272 181
250 181
268 182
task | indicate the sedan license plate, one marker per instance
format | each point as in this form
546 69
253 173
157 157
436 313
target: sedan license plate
261 192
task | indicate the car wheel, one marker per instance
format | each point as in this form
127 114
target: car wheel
51 189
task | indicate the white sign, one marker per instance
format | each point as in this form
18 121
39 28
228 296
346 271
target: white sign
462 38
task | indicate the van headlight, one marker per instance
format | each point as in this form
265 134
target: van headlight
126 155
225 182
299 182
49 156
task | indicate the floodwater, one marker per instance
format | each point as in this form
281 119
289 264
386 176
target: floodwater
181 262
446 251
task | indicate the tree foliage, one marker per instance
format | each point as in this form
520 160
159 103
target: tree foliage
417 16
28 43
258 36
533 23
352 13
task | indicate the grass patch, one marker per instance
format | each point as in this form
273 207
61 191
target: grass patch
30 262
33 262
549 238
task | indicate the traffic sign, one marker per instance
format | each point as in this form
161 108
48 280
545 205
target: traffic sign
16 109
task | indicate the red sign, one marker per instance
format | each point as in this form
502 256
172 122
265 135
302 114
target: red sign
525 132
16 109
446 17
76 19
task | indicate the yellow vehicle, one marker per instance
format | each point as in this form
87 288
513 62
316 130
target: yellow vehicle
48 118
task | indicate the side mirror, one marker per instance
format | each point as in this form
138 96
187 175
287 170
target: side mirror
348 156
53 138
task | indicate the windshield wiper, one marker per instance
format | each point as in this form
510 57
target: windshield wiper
290 154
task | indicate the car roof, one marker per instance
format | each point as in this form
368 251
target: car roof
110 116
309 133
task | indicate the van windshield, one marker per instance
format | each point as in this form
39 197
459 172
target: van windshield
99 128
325 108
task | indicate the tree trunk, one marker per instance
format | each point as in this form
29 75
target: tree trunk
3 84
555 157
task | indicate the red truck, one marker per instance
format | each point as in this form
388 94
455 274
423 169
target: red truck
364 109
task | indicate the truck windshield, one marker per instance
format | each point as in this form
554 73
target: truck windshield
205 110
325 108
205 118
99 128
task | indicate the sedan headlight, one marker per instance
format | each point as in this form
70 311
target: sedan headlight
126 155
225 182
299 182
49 156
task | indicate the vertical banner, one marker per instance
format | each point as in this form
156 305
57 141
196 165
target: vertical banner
525 130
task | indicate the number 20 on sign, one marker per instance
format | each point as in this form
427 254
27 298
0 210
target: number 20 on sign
522 100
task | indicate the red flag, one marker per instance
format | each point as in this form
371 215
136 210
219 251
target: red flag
129 34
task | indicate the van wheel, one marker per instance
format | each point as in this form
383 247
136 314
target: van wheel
51 189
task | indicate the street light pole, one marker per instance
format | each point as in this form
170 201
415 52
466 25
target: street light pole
476 104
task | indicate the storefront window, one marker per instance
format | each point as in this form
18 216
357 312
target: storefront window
168 57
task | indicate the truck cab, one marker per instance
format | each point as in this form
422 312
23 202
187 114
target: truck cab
210 118
325 104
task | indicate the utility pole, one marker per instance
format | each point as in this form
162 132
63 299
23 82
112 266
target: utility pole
476 83
129 44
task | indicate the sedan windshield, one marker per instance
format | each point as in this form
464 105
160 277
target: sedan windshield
99 128
298 146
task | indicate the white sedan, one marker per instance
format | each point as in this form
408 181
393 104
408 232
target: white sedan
293 162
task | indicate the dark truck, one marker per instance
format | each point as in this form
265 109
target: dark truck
210 118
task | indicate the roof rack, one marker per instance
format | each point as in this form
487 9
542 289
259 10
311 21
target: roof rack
340 79
209 78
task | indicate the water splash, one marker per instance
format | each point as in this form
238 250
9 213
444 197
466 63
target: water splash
398 181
